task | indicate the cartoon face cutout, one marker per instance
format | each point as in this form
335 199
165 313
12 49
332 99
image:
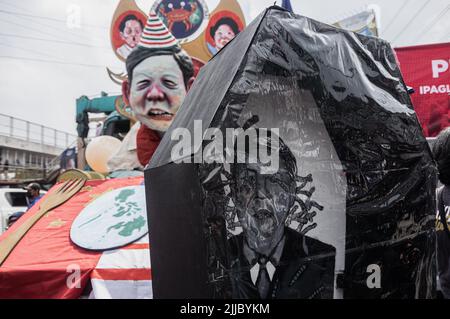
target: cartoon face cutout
223 35
222 28
131 32
126 32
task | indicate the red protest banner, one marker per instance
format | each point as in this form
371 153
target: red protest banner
426 69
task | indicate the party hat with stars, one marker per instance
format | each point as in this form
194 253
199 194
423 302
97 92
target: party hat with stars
156 35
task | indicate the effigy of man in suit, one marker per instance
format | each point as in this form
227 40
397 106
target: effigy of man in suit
268 259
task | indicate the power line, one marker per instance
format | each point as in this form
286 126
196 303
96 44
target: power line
49 40
411 20
53 41
66 32
26 49
47 33
5 3
53 61
48 18
396 15
27 27
434 21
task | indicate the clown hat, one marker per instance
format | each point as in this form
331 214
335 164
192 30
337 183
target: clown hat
156 35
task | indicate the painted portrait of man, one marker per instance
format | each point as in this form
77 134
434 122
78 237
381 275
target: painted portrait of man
269 259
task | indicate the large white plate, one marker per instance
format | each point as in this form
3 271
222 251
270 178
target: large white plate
113 220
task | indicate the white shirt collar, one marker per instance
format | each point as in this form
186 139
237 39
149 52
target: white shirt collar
251 256
254 271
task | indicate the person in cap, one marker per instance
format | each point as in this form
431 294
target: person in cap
33 194
159 75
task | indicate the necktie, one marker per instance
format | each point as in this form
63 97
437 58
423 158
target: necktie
263 281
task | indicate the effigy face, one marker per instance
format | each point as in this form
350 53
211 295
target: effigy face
307 173
157 91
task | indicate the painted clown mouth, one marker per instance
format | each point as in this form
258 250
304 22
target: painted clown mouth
160 115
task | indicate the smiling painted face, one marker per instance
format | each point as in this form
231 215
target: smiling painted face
157 91
223 35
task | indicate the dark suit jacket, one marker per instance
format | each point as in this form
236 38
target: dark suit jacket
305 270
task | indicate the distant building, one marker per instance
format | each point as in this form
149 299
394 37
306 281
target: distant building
28 149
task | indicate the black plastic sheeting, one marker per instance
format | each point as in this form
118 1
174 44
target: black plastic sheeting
350 211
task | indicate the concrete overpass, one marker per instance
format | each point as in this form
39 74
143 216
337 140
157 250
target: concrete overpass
28 148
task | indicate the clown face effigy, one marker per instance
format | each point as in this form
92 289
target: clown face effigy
159 75
157 91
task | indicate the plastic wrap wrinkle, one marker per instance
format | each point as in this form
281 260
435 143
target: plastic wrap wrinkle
354 189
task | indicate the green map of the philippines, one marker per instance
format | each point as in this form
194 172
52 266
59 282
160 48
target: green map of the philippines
128 208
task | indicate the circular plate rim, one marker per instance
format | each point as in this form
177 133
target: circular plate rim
104 249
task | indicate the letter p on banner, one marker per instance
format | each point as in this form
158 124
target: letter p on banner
438 67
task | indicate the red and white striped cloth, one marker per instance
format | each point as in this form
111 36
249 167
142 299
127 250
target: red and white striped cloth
124 273
47 264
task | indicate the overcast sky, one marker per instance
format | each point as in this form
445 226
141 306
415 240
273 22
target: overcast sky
46 65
